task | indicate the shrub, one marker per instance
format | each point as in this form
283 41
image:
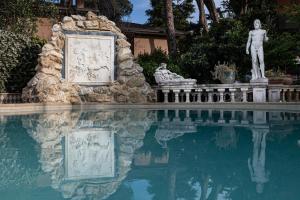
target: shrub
225 42
18 58
149 62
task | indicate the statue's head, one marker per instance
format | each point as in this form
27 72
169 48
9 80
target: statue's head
163 65
257 24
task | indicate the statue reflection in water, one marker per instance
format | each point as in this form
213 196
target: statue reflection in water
257 167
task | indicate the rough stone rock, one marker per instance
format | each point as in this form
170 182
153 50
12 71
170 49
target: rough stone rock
56 28
91 16
124 54
48 85
78 17
127 64
95 97
135 97
123 43
91 25
69 25
136 81
80 24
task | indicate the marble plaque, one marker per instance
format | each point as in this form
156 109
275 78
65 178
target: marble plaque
89 154
89 59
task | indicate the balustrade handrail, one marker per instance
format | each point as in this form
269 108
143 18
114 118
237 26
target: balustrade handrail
10 98
236 92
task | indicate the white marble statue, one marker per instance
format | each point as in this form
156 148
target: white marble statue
255 43
164 76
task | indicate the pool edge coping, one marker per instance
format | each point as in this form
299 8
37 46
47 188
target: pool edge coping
28 108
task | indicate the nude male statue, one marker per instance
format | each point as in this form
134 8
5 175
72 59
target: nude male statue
256 39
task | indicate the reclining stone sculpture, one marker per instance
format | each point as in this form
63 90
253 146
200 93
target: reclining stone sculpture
163 76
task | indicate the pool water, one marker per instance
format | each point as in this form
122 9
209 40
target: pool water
150 154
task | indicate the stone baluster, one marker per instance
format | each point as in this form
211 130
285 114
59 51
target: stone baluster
194 94
187 113
233 120
283 95
177 119
166 116
176 92
221 120
210 115
244 91
166 93
232 94
187 95
290 98
221 92
1 98
210 94
297 95
177 113
245 119
199 96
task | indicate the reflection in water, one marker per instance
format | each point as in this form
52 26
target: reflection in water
138 154
257 167
89 153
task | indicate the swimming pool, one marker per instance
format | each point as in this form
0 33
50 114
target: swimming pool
150 154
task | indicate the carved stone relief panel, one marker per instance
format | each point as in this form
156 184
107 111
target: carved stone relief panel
89 59
89 154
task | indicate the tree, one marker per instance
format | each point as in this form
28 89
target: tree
202 16
211 6
114 9
21 15
171 28
182 12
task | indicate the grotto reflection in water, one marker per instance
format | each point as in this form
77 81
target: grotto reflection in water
168 154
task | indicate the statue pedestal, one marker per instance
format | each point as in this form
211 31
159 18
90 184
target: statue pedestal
259 90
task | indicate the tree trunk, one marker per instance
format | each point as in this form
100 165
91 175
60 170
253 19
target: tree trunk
171 28
211 6
244 8
202 17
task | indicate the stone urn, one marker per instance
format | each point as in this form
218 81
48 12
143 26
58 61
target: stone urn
228 77
225 72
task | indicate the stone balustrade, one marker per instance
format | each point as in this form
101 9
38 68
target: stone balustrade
238 92
228 117
10 98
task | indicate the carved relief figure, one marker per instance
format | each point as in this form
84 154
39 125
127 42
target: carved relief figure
90 59
255 43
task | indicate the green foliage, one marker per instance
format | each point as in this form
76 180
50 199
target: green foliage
248 11
149 62
114 9
18 58
20 16
281 51
226 42
182 10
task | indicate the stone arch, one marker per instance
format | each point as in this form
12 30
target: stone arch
49 85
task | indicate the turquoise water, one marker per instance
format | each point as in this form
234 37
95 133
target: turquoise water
145 155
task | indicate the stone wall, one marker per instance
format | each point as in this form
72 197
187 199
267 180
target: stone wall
48 85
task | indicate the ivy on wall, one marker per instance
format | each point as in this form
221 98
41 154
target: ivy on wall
18 59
